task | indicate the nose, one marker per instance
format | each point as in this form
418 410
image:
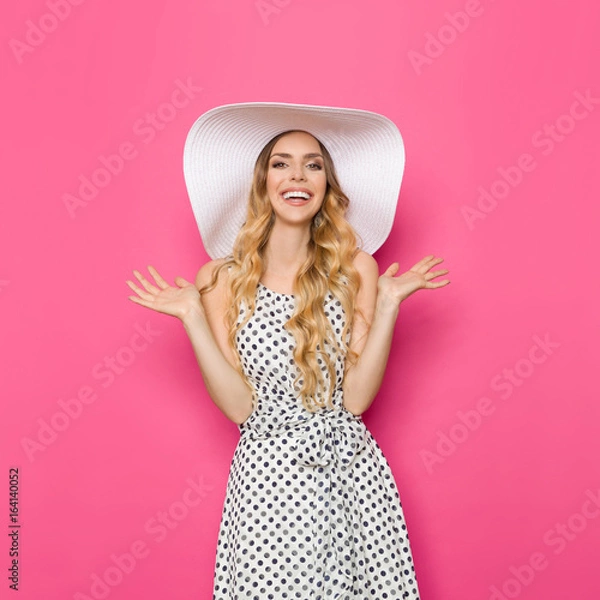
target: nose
297 172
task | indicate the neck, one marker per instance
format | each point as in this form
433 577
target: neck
286 249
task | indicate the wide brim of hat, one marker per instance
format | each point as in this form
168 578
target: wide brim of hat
223 144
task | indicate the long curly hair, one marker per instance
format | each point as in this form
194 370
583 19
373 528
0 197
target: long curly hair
328 267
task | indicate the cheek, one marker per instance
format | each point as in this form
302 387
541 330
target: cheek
272 187
271 181
269 186
323 184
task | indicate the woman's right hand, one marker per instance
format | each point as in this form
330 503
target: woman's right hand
175 301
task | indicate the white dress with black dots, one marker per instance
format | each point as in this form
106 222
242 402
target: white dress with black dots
312 510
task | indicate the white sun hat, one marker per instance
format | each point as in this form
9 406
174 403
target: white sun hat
223 144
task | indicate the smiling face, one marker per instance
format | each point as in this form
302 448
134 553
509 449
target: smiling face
296 178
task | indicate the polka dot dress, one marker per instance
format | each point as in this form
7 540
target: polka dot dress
312 510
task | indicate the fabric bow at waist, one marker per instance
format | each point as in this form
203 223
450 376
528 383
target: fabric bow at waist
328 441
319 438
327 436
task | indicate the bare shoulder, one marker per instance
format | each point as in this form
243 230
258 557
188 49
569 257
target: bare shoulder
215 300
206 271
215 304
367 267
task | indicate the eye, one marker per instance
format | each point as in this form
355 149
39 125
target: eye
314 166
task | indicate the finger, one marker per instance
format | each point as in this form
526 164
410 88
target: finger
437 273
157 277
437 284
181 282
435 261
139 291
145 282
421 263
138 301
393 268
428 263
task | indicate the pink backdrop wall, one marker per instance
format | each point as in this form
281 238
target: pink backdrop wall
489 411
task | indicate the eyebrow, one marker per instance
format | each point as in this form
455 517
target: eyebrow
309 155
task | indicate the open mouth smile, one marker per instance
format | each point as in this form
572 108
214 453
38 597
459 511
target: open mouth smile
296 197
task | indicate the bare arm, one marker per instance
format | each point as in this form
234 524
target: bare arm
203 320
208 335
380 298
371 339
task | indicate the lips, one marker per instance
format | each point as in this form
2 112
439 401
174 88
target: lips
297 189
295 201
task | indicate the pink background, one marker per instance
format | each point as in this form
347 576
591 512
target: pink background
500 503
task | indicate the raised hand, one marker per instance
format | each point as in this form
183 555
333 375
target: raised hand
175 301
397 289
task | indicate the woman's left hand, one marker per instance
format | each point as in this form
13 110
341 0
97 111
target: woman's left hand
397 289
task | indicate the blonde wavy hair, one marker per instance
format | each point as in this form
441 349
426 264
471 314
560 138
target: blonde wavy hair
328 267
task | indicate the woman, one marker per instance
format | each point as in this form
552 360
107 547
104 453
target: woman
292 332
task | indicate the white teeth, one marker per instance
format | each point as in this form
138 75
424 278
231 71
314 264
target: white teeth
296 194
